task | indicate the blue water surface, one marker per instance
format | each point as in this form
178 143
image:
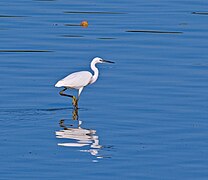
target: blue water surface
145 117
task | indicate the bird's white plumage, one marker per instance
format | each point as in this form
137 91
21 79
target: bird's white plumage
79 80
75 80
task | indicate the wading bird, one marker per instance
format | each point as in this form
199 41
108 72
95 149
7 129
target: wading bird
79 80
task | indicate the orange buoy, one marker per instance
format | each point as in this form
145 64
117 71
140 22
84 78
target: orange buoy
84 24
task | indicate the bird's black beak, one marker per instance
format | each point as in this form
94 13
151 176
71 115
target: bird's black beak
106 61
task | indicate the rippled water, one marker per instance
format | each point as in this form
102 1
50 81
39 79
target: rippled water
146 116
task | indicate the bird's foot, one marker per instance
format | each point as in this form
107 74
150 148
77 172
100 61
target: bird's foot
75 102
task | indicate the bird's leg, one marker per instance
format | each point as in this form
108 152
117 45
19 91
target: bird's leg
74 100
75 115
62 93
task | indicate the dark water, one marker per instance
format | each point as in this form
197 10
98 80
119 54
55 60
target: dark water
146 116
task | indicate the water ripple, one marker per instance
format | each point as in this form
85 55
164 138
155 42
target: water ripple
154 31
23 51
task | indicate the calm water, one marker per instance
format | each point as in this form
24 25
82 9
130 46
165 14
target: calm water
146 116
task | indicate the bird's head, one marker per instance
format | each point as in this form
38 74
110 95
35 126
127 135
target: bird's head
100 60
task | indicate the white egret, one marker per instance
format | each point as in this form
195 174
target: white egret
79 80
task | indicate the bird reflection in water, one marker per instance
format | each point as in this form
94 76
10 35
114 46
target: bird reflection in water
79 137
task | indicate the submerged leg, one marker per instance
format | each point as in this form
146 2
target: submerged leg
75 115
75 102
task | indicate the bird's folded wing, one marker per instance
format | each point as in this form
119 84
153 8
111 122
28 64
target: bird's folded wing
75 80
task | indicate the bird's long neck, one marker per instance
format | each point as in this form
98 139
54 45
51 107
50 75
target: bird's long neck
96 72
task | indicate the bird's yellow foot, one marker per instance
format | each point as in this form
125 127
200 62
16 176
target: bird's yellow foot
74 102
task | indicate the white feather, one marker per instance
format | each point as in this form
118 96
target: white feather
75 80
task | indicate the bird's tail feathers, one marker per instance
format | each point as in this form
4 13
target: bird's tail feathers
59 84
